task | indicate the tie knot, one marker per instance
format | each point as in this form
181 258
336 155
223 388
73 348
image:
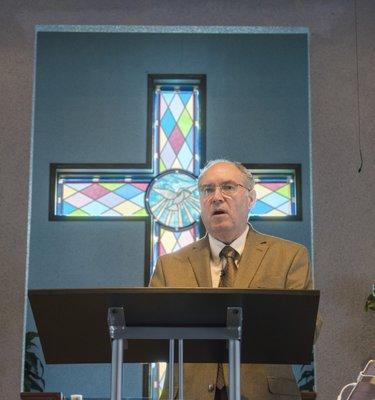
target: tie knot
229 252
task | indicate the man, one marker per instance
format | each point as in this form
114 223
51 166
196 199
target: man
235 255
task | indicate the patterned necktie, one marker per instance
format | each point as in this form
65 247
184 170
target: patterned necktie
230 269
226 280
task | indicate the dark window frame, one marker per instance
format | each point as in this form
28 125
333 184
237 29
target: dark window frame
297 169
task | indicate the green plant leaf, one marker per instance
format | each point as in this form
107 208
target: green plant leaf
303 366
30 368
41 366
30 336
307 387
33 368
32 358
370 303
36 386
36 377
306 375
26 386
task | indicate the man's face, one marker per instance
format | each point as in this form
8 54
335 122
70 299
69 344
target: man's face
225 217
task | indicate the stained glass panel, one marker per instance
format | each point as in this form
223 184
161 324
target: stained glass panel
170 241
173 199
276 194
100 197
176 122
106 196
166 241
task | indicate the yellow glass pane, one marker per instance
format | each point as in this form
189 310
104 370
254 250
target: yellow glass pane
68 191
275 213
190 107
168 240
261 191
127 208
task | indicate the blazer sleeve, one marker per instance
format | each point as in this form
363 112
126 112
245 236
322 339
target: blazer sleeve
299 273
299 278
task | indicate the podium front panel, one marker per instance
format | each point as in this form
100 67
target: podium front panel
278 325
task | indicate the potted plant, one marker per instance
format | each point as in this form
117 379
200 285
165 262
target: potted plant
306 382
370 302
34 370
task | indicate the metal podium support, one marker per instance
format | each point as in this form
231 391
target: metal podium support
118 332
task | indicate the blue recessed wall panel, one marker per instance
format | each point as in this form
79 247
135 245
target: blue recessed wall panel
91 107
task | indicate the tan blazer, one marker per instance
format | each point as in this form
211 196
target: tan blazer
266 262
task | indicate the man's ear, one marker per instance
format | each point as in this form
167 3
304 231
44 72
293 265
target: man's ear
252 198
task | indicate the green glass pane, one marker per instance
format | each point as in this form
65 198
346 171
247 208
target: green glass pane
285 191
185 122
111 186
162 166
79 213
141 213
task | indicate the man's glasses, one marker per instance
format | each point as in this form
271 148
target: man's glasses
226 189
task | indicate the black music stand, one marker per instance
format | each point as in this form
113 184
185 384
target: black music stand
277 326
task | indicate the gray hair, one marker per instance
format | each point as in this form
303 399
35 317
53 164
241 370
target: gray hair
246 174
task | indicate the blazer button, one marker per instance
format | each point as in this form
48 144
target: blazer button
211 388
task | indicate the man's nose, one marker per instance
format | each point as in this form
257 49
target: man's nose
217 195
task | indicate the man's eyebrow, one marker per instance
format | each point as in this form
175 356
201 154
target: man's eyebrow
221 183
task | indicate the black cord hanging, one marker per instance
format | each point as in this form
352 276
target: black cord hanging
358 105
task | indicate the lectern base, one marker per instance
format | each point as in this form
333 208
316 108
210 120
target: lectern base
118 332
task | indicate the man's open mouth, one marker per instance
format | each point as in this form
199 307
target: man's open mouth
218 212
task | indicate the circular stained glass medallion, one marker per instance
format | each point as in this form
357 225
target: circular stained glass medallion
173 199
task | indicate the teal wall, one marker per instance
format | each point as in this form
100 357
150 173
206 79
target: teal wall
91 107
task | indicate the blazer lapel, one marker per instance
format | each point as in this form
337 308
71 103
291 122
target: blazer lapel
200 262
255 249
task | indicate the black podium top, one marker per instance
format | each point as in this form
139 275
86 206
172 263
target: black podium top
278 325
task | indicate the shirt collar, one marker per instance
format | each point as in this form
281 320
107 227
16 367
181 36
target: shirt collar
216 246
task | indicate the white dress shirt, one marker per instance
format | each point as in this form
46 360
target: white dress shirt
216 246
